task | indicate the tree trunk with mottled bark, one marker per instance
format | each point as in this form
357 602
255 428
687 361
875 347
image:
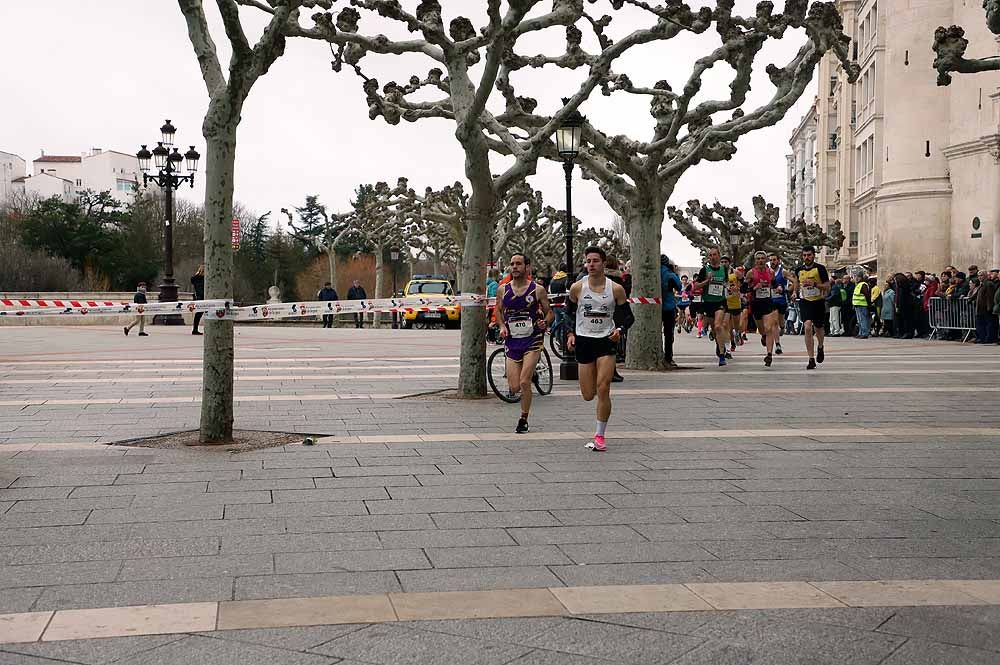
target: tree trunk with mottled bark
645 339
379 282
217 379
472 279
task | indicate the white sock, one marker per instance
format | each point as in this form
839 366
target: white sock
601 427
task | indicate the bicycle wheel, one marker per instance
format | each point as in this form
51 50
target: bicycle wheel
556 342
496 374
543 374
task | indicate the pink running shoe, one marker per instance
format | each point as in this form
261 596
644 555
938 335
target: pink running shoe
597 445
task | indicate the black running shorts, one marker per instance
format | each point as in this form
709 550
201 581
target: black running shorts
813 310
589 349
761 308
710 307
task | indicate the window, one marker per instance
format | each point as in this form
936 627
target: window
854 238
125 186
79 183
833 85
834 141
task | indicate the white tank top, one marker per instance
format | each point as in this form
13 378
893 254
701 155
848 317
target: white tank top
595 311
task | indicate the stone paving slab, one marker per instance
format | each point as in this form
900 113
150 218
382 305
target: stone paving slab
439 492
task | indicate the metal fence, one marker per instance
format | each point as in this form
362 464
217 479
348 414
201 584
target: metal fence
948 314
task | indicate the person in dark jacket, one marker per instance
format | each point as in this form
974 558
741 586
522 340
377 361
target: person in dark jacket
669 284
140 299
905 307
986 331
198 286
327 293
615 275
357 292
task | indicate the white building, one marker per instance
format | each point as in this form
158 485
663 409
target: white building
802 170
11 168
96 170
908 168
45 186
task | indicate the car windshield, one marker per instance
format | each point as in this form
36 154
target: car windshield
417 288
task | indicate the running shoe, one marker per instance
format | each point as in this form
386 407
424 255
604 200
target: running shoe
777 348
744 337
812 364
729 355
522 425
767 360
699 335
820 356
616 377
711 335
597 445
722 360
732 345
126 330
763 340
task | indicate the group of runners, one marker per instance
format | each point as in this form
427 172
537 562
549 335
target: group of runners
598 314
725 303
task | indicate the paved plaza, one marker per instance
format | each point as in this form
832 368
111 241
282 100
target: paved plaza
742 515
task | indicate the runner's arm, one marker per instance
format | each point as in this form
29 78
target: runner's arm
623 311
543 302
570 319
498 313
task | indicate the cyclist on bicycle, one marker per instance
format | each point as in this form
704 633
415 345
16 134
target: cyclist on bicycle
523 312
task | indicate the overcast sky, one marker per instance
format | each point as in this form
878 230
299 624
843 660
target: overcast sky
80 74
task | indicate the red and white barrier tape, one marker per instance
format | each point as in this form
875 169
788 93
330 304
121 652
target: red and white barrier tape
221 309
59 303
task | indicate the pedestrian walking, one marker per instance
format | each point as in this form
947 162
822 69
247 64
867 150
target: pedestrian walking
198 286
836 302
357 292
140 320
327 293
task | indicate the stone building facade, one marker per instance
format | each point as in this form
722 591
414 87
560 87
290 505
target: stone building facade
911 170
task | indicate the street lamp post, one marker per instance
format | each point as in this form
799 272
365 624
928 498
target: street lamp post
735 237
168 178
393 257
568 139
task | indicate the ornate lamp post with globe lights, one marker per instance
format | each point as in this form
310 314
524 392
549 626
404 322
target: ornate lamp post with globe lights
569 136
393 258
168 177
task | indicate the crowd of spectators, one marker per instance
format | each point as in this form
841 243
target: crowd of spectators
900 306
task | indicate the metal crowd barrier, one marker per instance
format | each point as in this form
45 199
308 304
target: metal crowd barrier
949 314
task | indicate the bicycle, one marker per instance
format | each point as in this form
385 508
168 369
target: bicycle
496 374
557 338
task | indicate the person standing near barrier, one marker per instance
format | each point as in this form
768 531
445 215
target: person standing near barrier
669 283
523 312
812 281
597 314
862 301
612 272
198 287
712 280
140 320
985 319
357 292
888 308
327 293
995 276
836 302
904 322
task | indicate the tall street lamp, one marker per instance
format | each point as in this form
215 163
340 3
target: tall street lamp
168 177
393 257
569 136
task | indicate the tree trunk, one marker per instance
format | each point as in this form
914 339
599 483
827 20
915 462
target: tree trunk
379 283
472 279
332 258
217 372
645 339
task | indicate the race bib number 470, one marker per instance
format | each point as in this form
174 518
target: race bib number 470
521 328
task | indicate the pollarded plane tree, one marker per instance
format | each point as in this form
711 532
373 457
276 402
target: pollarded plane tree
227 93
637 176
379 220
466 63
725 227
950 45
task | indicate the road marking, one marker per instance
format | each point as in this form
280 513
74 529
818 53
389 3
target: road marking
177 618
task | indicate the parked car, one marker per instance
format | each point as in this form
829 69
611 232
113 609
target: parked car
432 287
